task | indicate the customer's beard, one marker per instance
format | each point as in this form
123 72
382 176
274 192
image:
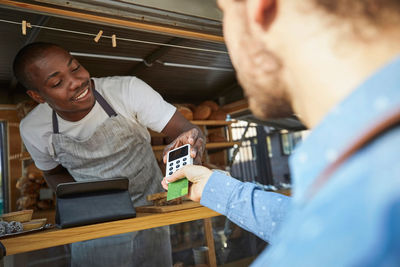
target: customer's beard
271 106
266 91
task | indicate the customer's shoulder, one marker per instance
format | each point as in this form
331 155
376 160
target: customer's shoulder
383 152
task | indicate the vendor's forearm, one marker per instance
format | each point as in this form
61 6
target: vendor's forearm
56 176
177 125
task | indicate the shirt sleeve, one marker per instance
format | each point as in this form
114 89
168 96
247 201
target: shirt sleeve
42 160
150 108
258 211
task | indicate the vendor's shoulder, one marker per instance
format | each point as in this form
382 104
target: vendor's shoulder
111 82
37 118
116 88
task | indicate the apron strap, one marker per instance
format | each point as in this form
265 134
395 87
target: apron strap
99 98
55 122
104 104
391 121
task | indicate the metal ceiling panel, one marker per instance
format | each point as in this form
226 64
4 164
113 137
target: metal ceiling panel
202 15
124 15
11 40
204 8
185 83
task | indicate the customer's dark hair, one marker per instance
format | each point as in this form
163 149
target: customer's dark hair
27 55
375 11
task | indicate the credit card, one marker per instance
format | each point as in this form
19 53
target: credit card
178 189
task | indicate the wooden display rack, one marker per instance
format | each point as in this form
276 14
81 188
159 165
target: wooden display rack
58 237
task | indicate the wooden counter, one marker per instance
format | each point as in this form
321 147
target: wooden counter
57 237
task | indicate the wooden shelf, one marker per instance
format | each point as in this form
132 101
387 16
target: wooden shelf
58 237
208 145
212 122
221 145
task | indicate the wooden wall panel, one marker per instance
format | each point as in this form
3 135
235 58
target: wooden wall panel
8 113
15 172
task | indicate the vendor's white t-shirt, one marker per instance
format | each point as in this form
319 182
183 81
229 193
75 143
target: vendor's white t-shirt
128 96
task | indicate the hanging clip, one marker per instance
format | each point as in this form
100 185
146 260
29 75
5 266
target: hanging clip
114 40
24 25
97 38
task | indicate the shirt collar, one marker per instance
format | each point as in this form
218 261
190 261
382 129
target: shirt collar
378 95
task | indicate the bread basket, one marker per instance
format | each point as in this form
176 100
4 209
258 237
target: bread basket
18 216
34 224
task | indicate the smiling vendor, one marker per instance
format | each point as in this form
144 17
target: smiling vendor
96 128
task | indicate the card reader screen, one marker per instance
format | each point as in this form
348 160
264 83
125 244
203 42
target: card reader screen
178 153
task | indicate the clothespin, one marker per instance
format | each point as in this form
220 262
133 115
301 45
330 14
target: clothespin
97 38
114 40
24 25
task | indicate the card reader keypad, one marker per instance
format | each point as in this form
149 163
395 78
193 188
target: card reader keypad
178 158
177 164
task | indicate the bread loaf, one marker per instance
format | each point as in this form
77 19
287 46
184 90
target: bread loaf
27 202
186 112
190 106
218 115
160 199
214 106
29 186
21 181
202 112
33 172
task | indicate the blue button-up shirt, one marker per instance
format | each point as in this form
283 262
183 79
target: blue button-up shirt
354 220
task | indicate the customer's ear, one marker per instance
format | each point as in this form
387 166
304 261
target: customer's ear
35 96
266 12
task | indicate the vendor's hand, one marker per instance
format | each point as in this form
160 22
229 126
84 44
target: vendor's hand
195 138
197 176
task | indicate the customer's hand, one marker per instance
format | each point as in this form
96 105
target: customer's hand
195 138
197 176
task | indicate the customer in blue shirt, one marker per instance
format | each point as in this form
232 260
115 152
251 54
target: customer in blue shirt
336 65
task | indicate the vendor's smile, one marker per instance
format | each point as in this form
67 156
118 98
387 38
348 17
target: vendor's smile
82 94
